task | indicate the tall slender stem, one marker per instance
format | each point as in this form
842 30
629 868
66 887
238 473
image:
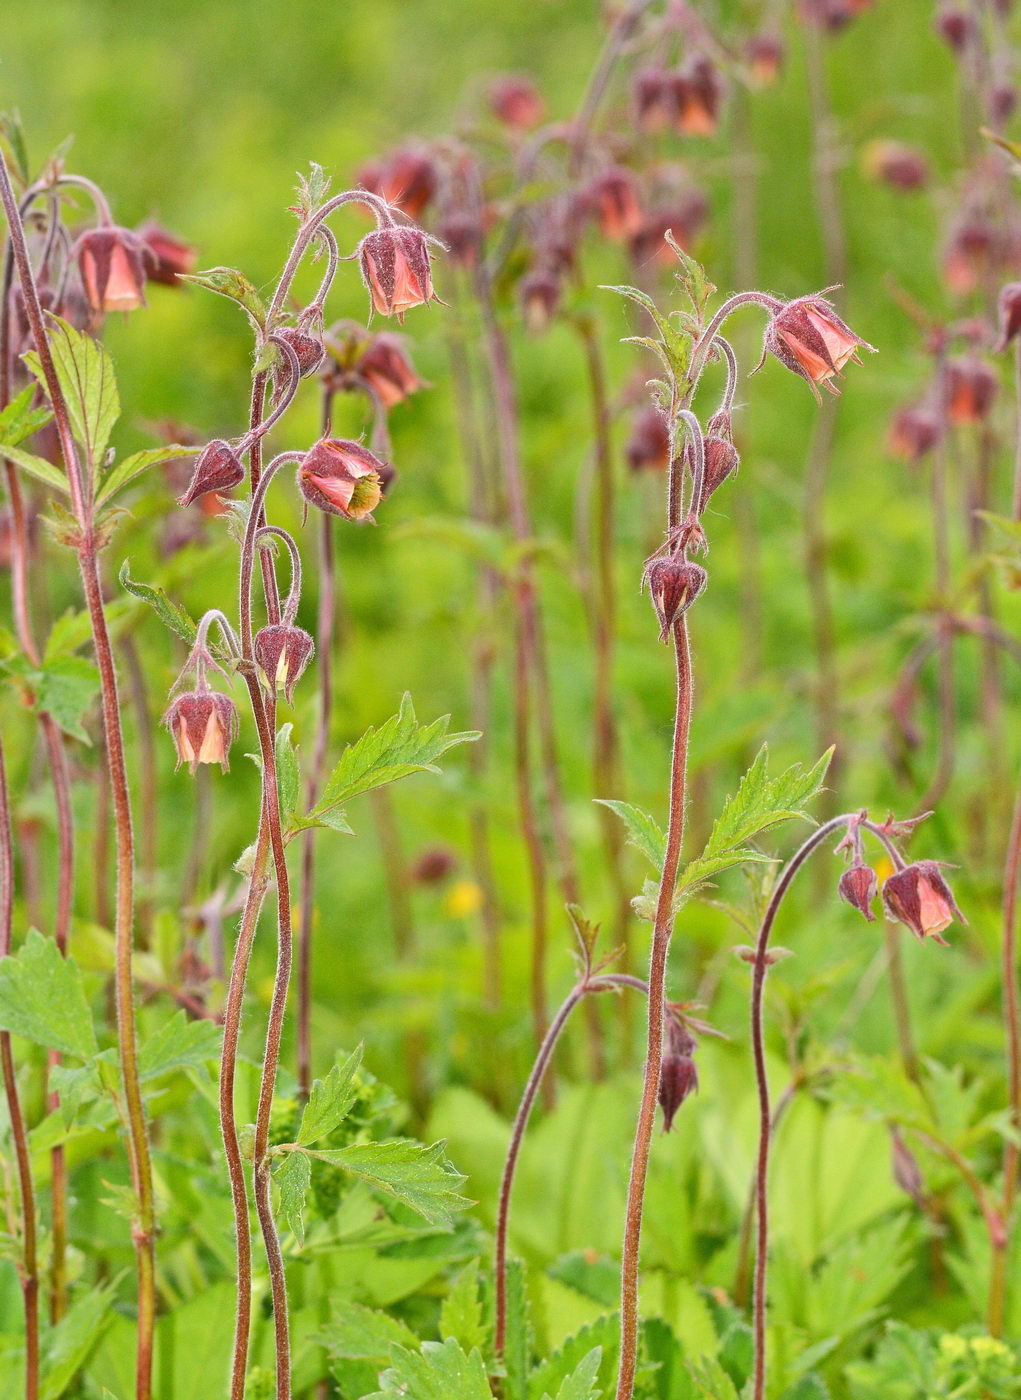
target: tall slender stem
28 1267
144 1229
662 931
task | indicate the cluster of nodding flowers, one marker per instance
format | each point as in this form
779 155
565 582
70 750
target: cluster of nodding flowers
336 475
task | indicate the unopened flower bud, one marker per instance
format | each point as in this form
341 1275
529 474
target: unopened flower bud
697 91
674 584
341 478
395 268
433 865
807 336
516 102
169 257
906 1171
613 198
203 724
1010 313
281 653
970 386
858 887
919 897
956 27
720 460
539 295
914 431
765 56
387 370
648 447
678 1076
406 179
895 164
218 468
308 349
111 263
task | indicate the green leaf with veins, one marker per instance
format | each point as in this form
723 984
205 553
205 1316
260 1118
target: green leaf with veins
124 472
38 467
42 998
20 419
420 1177
228 282
330 1100
86 376
440 1371
358 1333
177 618
292 1179
180 1044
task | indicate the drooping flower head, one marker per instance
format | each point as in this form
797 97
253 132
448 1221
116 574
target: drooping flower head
516 102
387 369
859 886
395 268
914 430
169 257
919 897
674 584
613 199
341 478
282 652
406 179
112 266
807 336
678 1076
218 468
203 724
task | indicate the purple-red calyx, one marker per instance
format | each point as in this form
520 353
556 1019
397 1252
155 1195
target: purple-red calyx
859 887
341 477
919 897
395 266
282 652
218 468
203 724
112 266
678 1076
674 584
808 337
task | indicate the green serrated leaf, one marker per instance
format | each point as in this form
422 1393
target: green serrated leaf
85 371
759 804
70 1343
43 999
228 282
288 776
38 467
180 1044
177 618
292 1179
384 755
122 473
581 1383
358 1333
66 688
440 1371
330 1100
461 1311
420 1177
20 419
643 831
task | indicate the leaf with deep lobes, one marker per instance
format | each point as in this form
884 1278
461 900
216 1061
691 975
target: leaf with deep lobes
43 999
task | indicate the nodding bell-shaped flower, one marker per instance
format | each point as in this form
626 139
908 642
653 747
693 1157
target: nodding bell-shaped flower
395 268
1010 314
648 447
516 102
897 165
613 199
169 257
970 387
858 887
674 584
387 370
282 653
919 897
697 91
539 296
406 179
914 431
218 468
807 336
678 1076
652 98
956 26
683 216
765 55
203 724
112 266
341 478
308 350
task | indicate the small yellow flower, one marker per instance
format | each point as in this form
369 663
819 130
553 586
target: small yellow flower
883 869
463 899
986 1348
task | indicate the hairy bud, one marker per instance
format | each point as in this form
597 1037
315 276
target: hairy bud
895 164
433 866
678 1076
914 431
111 264
956 26
906 1171
807 336
395 269
721 460
308 349
282 653
919 897
648 447
674 584
858 887
341 478
203 725
218 468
